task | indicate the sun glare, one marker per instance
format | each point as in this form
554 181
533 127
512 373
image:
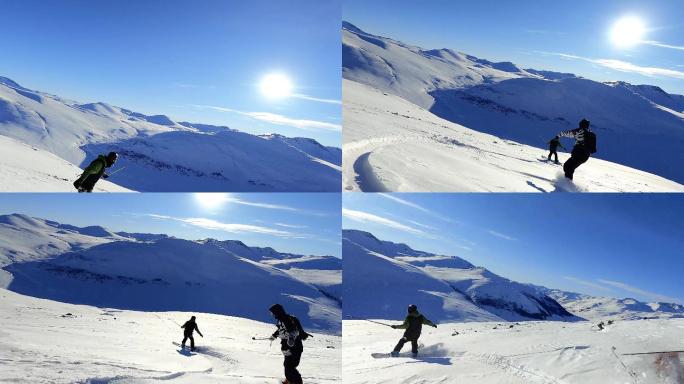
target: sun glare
211 200
627 32
276 86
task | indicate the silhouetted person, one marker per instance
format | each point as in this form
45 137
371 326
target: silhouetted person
585 145
291 334
413 324
93 172
553 146
188 328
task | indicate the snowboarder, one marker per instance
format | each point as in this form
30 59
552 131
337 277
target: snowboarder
188 328
94 171
413 324
291 334
585 146
553 145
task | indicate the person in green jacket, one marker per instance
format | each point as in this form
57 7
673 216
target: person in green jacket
94 172
413 324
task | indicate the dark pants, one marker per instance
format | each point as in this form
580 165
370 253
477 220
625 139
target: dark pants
291 362
402 341
192 341
579 156
553 152
88 184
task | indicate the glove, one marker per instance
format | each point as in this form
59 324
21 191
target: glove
393 326
105 176
272 338
434 325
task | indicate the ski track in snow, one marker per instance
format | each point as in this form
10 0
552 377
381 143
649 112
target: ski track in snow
391 144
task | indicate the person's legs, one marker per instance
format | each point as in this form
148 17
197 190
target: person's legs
414 346
192 342
291 362
549 156
185 338
400 344
555 155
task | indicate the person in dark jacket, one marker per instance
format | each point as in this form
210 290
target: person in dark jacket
582 149
413 325
93 172
188 328
291 334
553 146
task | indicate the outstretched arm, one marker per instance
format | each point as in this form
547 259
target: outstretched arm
427 321
198 331
569 133
404 325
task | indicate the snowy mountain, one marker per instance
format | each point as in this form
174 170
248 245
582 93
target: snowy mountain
600 308
52 342
446 288
94 266
524 105
158 153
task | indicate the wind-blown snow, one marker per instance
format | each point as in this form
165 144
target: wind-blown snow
638 126
158 153
45 341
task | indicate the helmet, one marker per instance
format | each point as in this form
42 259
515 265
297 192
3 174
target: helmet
412 308
584 124
111 158
277 310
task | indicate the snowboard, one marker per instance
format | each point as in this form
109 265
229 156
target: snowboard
380 355
186 349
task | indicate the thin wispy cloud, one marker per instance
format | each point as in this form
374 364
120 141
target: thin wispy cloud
647 294
624 66
422 225
365 217
316 99
227 227
273 118
414 206
290 226
501 235
587 283
663 45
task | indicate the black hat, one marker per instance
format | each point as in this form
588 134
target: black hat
412 308
277 310
584 124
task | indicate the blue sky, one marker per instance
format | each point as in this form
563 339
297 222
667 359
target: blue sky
535 33
618 245
198 61
292 222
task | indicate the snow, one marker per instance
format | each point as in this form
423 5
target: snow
530 352
94 266
45 341
495 121
391 144
160 155
27 168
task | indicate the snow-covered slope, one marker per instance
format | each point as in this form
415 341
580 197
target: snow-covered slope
45 341
26 168
524 353
94 266
639 126
445 288
160 154
391 144
606 308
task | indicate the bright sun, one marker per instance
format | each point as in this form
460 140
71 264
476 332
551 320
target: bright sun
211 200
276 86
627 32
